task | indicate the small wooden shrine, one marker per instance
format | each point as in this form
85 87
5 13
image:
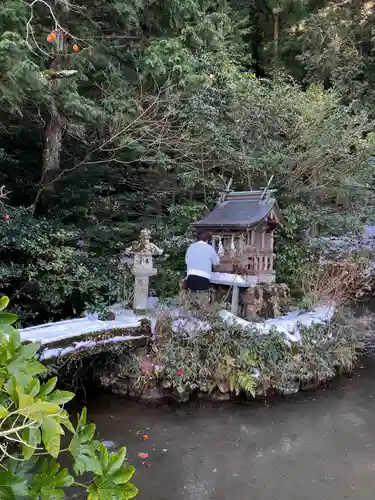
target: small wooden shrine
242 229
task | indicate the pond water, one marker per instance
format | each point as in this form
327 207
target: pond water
317 445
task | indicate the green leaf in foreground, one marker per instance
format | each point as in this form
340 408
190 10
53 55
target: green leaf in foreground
33 420
83 448
3 412
4 301
51 435
32 438
60 397
48 387
8 318
113 487
12 486
49 484
114 482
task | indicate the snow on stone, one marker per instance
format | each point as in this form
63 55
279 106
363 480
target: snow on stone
53 332
287 324
68 329
77 346
190 325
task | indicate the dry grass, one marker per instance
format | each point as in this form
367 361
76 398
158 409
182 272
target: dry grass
340 282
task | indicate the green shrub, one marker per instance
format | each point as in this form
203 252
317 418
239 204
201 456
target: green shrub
47 270
32 423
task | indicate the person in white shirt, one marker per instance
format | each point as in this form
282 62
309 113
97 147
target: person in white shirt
200 258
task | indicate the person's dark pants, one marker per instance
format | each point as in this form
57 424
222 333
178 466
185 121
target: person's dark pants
198 292
197 283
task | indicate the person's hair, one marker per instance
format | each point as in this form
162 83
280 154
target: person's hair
203 236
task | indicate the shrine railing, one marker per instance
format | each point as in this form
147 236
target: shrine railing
261 263
246 256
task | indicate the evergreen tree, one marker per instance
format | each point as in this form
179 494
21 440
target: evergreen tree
160 106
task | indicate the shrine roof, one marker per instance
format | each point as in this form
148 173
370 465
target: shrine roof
240 209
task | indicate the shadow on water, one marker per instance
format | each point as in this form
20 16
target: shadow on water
313 445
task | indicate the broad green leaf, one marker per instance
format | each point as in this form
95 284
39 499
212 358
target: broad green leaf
32 438
25 370
51 435
14 340
83 447
104 456
113 483
124 475
11 388
4 302
67 424
129 491
47 407
85 459
35 409
49 484
48 387
8 318
5 331
82 418
87 432
105 490
35 368
12 486
28 351
116 461
83 451
65 420
60 397
3 412
26 468
24 400
33 388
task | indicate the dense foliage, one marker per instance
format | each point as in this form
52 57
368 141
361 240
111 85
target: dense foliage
33 422
168 100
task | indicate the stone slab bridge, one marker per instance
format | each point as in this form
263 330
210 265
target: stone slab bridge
84 336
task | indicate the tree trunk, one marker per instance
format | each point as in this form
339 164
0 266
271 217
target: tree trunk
53 131
276 28
52 148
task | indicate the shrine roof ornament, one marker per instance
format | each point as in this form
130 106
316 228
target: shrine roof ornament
242 209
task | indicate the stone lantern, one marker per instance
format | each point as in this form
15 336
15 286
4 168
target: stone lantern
143 251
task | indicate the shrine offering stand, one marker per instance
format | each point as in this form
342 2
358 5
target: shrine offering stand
236 282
